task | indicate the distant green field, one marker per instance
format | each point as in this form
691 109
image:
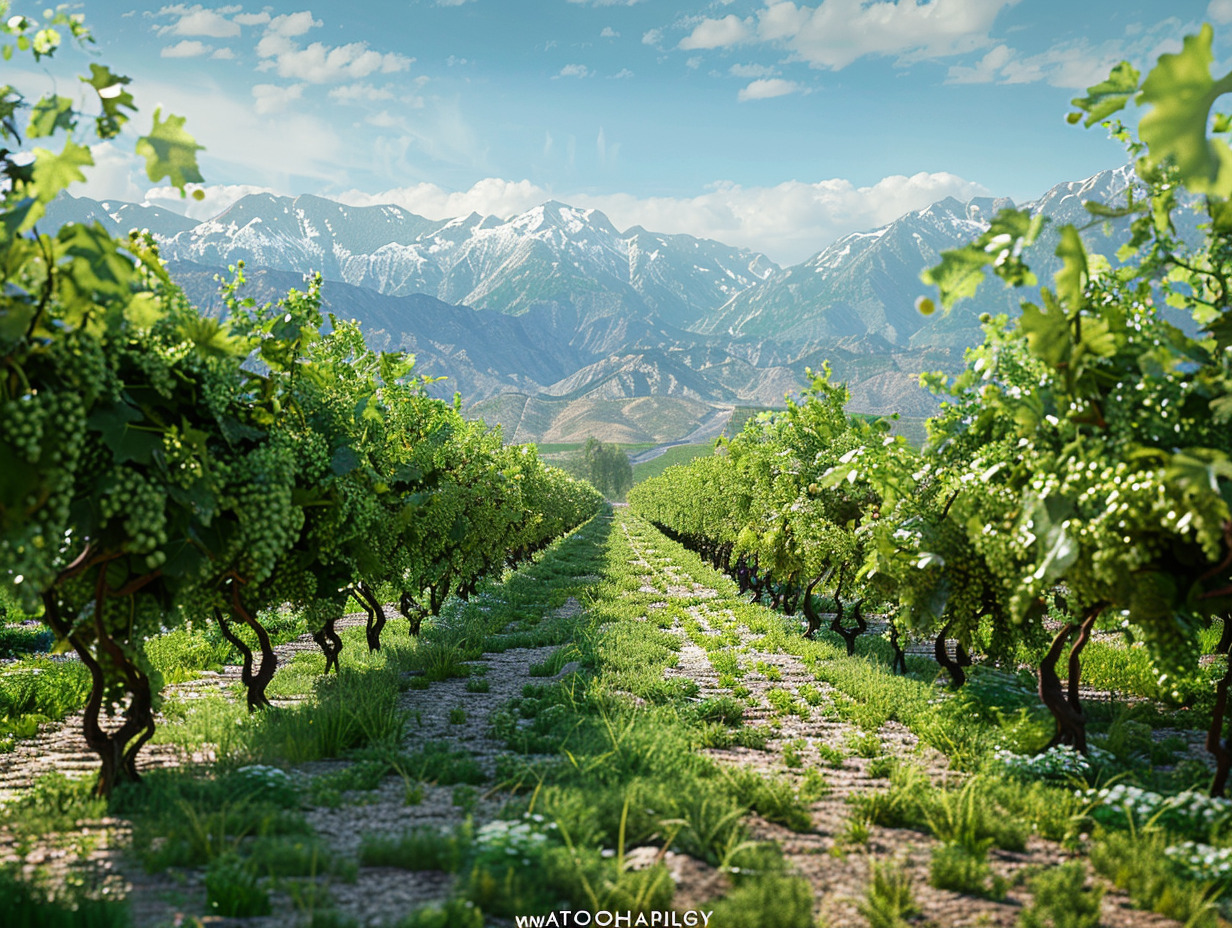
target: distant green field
681 454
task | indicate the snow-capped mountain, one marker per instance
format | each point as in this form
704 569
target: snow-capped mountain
531 315
867 283
553 253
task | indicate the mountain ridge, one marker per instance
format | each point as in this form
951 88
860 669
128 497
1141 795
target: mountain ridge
559 307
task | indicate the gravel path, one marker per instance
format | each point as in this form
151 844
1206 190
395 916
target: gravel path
837 871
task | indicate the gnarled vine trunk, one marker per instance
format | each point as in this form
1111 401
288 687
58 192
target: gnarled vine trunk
376 615
898 663
117 749
1064 702
810 611
849 634
330 644
954 668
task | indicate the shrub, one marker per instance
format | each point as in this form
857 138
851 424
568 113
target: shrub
233 890
1060 899
770 902
888 901
1139 864
964 870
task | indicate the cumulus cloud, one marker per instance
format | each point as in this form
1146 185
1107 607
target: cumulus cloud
185 48
1219 11
837 32
216 198
292 24
273 98
451 2
1074 64
575 70
223 54
652 37
610 33
767 87
197 20
622 74
325 64
789 222
354 93
251 19
116 174
717 33
752 70
491 196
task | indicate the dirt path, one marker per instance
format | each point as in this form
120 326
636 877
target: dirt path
800 716
837 869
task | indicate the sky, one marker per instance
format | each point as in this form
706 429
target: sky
772 125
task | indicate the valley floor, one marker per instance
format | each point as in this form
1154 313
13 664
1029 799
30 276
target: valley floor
610 729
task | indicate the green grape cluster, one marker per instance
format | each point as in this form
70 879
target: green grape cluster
134 504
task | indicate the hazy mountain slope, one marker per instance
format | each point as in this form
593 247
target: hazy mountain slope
117 217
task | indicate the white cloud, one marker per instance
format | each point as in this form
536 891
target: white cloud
297 150
1073 65
1220 11
835 33
197 20
217 197
622 74
292 24
765 88
223 54
575 70
789 222
752 70
652 37
717 33
354 93
608 2
323 64
273 98
115 175
251 19
610 33
451 2
489 197
185 48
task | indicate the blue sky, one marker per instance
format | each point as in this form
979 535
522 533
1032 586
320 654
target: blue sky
774 125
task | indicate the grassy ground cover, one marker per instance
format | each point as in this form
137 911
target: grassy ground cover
656 721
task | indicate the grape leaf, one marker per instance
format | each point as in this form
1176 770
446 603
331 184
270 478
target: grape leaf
1071 278
1107 97
113 98
170 152
49 114
54 172
1181 92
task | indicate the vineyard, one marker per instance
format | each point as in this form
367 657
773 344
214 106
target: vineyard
287 641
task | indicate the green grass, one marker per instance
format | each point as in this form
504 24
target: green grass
37 690
678 454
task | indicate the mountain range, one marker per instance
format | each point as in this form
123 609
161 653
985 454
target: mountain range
557 325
